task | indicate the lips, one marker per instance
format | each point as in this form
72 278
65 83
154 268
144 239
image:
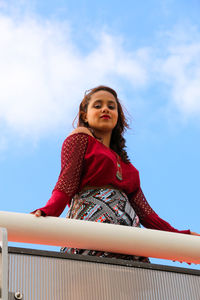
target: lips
105 117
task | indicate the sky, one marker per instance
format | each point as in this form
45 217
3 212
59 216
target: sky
51 52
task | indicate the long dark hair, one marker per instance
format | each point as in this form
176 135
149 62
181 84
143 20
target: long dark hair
117 142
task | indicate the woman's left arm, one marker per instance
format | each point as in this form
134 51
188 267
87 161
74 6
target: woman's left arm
194 233
148 217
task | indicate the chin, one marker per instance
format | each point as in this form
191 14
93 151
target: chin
104 129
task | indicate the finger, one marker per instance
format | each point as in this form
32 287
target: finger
38 213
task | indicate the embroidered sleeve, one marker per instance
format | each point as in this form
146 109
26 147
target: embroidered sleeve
147 215
72 157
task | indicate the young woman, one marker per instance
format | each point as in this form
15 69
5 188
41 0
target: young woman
97 180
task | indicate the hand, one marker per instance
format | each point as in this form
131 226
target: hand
194 233
38 213
181 262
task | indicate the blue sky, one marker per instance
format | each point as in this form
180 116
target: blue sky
51 52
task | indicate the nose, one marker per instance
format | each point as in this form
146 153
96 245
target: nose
105 108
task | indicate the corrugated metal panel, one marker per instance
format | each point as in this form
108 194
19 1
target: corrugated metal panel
52 278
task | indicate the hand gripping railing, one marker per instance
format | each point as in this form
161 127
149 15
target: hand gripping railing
26 228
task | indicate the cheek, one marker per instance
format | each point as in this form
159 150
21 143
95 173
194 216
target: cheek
92 115
116 117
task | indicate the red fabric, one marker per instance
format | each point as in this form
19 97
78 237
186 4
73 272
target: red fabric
87 162
148 217
55 205
153 221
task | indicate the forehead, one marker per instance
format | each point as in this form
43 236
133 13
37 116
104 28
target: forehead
103 95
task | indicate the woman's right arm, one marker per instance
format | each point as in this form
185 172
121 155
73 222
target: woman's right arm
72 157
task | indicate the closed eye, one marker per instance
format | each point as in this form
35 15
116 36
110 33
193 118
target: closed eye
97 106
111 106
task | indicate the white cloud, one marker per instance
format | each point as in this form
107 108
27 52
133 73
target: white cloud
43 74
3 143
180 70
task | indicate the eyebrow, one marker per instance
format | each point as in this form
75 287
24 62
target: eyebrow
109 101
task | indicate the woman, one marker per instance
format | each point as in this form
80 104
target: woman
97 180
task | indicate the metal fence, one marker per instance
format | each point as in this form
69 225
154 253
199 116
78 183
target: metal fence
42 275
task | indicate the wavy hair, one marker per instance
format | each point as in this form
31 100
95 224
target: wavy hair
117 142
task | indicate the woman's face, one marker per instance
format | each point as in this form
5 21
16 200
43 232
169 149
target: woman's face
102 112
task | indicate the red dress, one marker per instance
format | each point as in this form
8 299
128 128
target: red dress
87 162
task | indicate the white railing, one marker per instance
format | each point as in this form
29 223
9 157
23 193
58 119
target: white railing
26 228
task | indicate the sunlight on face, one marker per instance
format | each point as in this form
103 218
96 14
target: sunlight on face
102 112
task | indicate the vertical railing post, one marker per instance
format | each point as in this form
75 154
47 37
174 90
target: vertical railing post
3 264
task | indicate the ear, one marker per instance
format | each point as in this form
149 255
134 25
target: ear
84 117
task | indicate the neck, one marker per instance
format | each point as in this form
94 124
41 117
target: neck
105 137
